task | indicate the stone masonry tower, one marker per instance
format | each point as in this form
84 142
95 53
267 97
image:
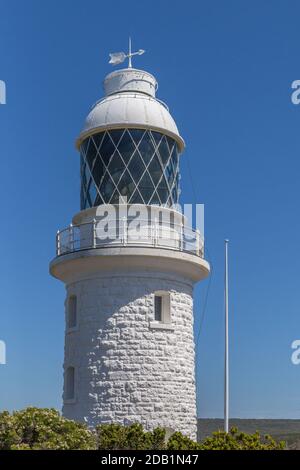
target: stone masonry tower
129 344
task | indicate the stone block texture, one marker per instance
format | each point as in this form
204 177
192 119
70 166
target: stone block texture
125 370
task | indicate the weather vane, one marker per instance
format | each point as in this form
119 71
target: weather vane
119 57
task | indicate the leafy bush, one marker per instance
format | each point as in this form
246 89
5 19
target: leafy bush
180 442
220 440
236 440
41 429
133 437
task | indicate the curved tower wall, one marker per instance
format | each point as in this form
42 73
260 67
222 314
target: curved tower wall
128 368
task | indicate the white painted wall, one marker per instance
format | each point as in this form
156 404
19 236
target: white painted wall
125 370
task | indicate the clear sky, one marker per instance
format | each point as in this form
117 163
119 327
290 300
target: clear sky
225 69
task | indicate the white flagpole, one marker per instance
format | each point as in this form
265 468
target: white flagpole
226 382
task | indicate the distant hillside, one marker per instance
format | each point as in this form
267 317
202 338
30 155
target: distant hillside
281 429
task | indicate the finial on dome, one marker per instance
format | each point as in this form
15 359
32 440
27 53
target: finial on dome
119 57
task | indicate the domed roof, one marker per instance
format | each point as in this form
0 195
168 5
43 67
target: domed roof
130 102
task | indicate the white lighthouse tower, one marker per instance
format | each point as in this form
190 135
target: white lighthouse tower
129 343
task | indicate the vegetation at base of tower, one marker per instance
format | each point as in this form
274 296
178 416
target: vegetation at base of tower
133 437
46 429
220 440
42 429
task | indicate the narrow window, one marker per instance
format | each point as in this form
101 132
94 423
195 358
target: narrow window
158 301
70 383
162 307
72 311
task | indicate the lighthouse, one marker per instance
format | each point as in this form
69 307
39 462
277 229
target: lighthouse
129 262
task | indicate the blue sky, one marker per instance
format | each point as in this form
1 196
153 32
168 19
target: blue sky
225 69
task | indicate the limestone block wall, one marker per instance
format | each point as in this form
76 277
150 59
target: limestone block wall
127 370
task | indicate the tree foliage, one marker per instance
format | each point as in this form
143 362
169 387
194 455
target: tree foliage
236 440
133 437
178 441
43 429
220 440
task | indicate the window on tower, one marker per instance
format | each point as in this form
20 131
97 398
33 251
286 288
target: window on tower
72 312
158 307
162 311
70 383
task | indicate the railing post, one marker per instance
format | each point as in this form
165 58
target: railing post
124 231
155 232
71 238
57 243
181 237
151 234
94 234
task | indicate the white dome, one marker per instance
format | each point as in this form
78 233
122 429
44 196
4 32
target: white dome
133 109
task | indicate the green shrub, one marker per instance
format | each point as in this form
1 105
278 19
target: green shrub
133 437
41 429
180 442
111 436
235 440
8 434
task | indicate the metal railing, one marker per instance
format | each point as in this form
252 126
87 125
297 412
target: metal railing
132 233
